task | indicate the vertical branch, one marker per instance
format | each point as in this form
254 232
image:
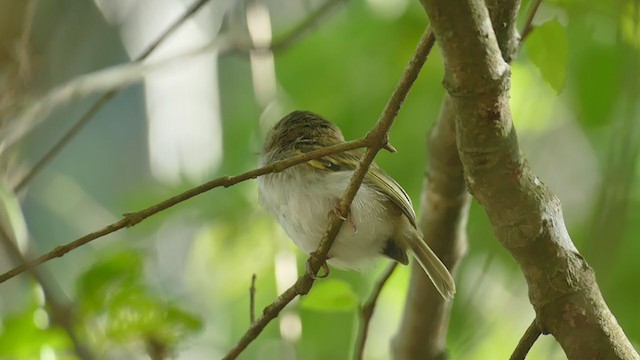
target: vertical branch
252 299
503 15
445 205
525 215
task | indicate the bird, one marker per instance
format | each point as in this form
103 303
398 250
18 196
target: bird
380 221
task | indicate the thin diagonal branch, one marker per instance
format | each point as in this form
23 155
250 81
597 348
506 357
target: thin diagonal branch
131 219
192 10
526 342
377 139
280 44
97 105
528 24
108 79
64 140
301 29
366 311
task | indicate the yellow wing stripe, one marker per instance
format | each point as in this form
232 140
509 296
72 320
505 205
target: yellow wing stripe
317 164
376 178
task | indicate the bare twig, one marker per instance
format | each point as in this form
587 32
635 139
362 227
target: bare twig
301 286
281 44
377 139
194 8
86 117
528 24
108 79
301 29
252 299
66 138
131 219
526 342
366 311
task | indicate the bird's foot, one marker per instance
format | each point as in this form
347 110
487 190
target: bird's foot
309 268
348 219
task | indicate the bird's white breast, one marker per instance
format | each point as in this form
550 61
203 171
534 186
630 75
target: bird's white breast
300 198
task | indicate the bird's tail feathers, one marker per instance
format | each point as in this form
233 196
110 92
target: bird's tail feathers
431 264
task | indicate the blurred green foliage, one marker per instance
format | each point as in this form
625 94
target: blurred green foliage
113 307
26 334
547 49
116 306
330 296
182 277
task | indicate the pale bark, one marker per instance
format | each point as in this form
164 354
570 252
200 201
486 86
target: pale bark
525 215
445 204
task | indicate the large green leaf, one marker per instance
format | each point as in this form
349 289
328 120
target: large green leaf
547 49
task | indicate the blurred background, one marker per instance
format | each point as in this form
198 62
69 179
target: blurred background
178 283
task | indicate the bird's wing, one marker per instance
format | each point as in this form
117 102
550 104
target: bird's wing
384 183
376 178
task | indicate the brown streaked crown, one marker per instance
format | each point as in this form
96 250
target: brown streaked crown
302 128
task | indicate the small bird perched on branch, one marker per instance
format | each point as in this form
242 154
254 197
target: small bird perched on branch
381 220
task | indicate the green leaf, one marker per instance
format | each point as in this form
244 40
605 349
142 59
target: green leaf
22 338
331 296
114 292
123 269
135 314
547 49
